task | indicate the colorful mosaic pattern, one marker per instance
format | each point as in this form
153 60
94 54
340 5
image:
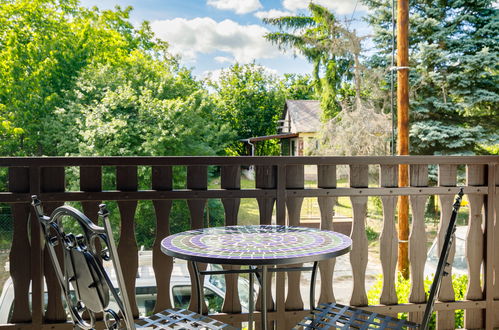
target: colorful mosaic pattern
256 244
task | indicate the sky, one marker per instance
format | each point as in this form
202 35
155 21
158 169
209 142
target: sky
210 35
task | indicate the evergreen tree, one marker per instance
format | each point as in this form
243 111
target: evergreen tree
332 48
454 59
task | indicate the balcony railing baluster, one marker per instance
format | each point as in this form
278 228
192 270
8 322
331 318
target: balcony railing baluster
359 254
418 175
475 176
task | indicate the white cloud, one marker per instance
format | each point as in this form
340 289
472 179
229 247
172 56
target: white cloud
238 6
273 13
224 59
340 7
187 38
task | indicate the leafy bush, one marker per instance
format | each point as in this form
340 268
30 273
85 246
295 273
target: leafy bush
372 235
403 289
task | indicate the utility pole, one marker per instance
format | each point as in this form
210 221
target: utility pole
403 130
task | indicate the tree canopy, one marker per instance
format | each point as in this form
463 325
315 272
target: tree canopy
251 101
44 46
454 59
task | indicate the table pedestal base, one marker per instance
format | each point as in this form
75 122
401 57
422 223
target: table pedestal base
261 274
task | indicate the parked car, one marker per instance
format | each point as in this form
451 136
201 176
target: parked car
145 289
459 265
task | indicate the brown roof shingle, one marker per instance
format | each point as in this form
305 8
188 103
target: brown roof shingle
305 115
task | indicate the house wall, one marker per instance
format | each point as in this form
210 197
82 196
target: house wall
308 143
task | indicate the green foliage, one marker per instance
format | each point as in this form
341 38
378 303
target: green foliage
44 45
372 235
403 289
141 106
378 204
454 57
298 87
250 101
326 43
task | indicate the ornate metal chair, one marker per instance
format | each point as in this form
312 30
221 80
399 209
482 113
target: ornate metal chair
337 316
85 284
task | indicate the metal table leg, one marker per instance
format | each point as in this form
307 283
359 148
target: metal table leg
312 285
199 287
251 303
264 297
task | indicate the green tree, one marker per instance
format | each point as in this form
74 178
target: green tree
141 106
330 46
454 59
298 87
251 101
43 46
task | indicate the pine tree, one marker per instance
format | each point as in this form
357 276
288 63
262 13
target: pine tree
454 59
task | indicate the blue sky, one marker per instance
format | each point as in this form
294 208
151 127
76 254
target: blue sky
210 35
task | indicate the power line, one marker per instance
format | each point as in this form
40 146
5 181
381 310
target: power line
353 13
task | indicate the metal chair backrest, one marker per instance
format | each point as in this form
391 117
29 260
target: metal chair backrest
442 261
85 283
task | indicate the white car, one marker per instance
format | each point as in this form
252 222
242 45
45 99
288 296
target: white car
145 289
459 265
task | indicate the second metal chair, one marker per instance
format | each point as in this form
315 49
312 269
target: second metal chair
337 316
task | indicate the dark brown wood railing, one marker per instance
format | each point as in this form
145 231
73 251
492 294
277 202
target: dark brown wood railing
280 190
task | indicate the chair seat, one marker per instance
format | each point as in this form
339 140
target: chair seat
337 316
177 318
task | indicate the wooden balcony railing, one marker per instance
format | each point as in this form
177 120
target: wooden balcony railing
279 188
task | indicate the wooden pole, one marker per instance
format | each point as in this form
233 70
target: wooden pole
403 129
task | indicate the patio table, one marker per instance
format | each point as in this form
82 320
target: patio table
258 247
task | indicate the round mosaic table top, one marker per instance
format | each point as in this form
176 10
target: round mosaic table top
256 245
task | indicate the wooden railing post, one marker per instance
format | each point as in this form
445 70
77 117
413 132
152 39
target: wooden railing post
417 239
162 180
197 179
475 176
359 178
490 250
231 180
52 180
388 237
36 244
294 180
91 181
127 181
447 177
326 178
20 265
266 177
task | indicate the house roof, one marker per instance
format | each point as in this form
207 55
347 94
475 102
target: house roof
304 115
270 137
